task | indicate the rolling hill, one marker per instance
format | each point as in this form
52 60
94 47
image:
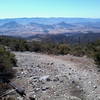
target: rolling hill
52 29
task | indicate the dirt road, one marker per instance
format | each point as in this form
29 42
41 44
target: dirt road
51 78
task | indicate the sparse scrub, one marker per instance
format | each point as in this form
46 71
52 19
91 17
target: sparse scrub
18 44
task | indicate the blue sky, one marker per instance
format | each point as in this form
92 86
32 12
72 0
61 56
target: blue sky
50 8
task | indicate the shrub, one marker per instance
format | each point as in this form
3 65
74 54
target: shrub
7 61
77 50
63 49
97 58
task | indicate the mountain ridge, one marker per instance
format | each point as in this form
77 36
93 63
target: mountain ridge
27 27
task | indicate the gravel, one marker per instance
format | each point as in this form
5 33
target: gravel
50 78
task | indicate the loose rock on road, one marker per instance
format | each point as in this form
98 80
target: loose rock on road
52 78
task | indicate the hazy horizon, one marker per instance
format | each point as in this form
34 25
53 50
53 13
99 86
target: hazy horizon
49 8
50 17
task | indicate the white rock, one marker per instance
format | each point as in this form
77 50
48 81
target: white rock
44 78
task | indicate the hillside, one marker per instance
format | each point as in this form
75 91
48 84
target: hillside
71 38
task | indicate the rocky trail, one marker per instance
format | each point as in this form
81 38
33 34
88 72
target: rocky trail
47 77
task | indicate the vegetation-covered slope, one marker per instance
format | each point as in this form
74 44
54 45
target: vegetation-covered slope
17 44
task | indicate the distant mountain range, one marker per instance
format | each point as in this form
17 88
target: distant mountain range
31 26
38 28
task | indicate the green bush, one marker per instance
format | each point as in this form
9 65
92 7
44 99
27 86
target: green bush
7 61
62 49
97 58
77 50
15 44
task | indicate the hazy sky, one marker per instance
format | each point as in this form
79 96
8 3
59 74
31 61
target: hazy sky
49 8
